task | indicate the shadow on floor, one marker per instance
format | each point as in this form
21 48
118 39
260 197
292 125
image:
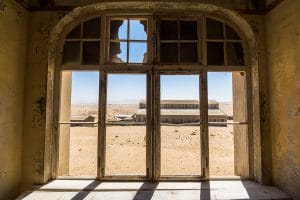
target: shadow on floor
146 191
205 190
86 190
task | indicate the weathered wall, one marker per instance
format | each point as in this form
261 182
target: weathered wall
283 42
232 4
40 26
262 142
13 40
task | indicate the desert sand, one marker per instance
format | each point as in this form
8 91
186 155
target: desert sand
126 148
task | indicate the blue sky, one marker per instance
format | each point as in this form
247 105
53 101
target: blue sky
136 49
123 88
132 88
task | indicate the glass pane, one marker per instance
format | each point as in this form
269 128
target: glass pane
180 127
79 95
168 30
137 52
71 53
75 33
188 52
90 53
214 29
118 52
227 143
138 30
188 30
79 106
126 125
215 53
221 147
221 150
169 52
235 54
118 29
91 28
78 150
231 34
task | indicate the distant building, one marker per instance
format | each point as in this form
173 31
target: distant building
183 111
82 118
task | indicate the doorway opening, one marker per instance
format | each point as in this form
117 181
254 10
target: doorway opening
180 125
126 132
227 117
78 124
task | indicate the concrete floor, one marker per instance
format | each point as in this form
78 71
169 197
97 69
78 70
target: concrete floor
91 189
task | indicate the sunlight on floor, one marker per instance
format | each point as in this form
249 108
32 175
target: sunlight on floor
92 189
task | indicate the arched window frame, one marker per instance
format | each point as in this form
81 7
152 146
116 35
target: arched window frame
153 69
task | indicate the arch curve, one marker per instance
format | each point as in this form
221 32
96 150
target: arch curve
73 18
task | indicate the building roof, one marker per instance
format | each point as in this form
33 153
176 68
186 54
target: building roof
183 101
80 117
190 112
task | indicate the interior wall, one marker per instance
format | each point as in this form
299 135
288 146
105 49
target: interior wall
283 42
13 40
34 124
40 26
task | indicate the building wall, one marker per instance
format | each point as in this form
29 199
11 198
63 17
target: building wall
13 41
40 26
283 42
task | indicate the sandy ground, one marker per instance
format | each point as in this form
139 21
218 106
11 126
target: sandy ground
126 148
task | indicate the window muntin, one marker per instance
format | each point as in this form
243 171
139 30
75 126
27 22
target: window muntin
224 46
178 41
128 41
82 44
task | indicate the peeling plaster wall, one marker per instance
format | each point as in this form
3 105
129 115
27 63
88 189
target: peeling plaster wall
283 42
13 41
40 26
257 23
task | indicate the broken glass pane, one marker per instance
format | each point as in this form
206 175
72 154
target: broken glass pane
90 53
231 34
169 52
137 52
71 53
215 53
91 28
188 52
235 55
188 30
138 30
118 52
118 29
75 33
168 30
214 29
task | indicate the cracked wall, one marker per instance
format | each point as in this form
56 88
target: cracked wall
283 42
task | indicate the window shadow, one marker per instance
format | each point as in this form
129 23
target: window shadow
205 190
146 191
86 190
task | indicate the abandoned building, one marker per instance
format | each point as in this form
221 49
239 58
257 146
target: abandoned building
182 111
79 120
58 52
